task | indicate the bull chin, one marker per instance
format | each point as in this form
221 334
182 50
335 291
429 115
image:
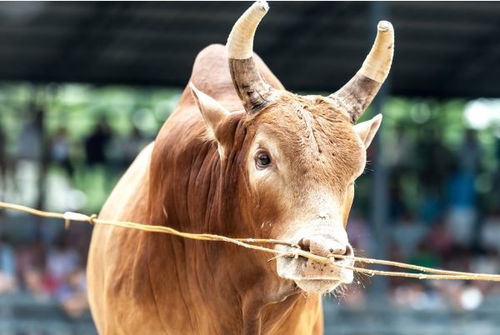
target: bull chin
321 285
318 286
324 279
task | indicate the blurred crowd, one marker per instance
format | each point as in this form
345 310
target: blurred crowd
56 272
451 222
44 260
443 213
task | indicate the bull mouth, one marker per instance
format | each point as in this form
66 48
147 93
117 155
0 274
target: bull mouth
312 276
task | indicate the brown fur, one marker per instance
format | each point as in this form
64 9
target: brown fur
146 283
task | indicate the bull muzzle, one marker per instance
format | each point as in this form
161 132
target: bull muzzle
314 276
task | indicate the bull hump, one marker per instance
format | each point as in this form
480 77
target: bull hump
211 72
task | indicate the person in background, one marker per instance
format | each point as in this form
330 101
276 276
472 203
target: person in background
434 169
408 233
490 232
424 255
134 143
99 157
30 267
60 150
72 294
97 142
440 239
462 195
61 261
470 153
8 282
30 139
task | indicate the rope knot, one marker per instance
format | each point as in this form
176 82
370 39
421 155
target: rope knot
92 219
71 216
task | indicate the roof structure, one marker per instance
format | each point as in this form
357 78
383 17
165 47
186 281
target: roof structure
443 49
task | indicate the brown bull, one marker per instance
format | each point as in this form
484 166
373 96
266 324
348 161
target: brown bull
246 158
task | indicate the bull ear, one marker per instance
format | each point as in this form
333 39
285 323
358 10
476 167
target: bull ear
366 130
213 113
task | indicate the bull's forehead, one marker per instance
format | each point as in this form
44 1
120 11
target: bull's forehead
310 139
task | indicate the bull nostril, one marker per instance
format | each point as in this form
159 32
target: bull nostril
324 246
305 244
341 251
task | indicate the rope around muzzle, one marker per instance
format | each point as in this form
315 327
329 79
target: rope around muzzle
249 243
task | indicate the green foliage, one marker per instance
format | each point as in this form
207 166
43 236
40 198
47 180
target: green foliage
80 107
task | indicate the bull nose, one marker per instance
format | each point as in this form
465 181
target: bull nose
324 246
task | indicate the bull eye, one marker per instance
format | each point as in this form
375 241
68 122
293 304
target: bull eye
262 159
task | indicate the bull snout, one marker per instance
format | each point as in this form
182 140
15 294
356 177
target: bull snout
315 276
326 246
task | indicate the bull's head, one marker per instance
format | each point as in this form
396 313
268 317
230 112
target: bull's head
301 154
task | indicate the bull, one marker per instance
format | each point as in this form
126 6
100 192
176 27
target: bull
240 156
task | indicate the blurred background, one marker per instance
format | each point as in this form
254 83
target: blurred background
84 86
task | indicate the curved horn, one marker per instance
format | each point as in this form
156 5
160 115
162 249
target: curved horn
355 96
253 91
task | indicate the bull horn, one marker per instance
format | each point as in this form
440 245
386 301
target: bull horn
254 92
355 96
